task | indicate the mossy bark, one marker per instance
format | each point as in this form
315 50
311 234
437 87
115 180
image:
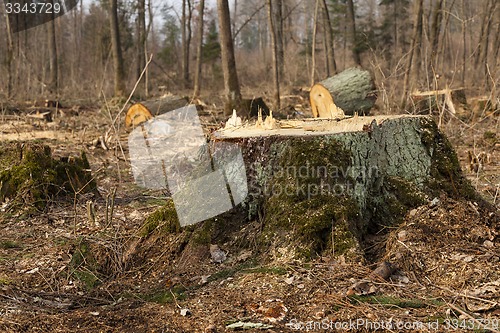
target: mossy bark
30 176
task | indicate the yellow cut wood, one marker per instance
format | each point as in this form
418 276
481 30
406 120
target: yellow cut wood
322 103
136 115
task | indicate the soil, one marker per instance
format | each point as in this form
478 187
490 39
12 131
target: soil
62 270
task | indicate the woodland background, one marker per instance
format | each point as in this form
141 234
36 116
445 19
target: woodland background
100 48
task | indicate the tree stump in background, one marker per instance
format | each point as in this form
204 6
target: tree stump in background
352 90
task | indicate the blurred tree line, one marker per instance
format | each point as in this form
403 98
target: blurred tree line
101 48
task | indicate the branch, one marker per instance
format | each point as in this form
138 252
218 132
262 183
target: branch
247 21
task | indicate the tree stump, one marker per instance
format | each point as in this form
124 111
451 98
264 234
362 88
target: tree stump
318 187
352 90
323 186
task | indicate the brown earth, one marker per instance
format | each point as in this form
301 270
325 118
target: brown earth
61 272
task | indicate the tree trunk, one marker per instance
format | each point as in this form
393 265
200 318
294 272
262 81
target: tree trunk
141 40
352 30
199 51
186 40
52 46
353 90
320 187
231 83
435 31
274 46
9 56
482 35
117 49
414 54
280 45
313 43
331 67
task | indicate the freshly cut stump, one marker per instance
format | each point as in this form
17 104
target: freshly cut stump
323 186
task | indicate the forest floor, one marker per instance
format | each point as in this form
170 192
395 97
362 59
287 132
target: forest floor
60 272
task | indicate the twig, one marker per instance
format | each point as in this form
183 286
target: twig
133 90
480 324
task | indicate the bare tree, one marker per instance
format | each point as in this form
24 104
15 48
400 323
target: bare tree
436 25
331 66
9 55
313 43
231 83
141 40
52 46
279 38
199 51
274 46
186 39
411 73
117 49
352 28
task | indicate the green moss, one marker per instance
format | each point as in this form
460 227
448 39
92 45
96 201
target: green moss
308 201
164 219
5 281
389 301
9 245
83 264
398 197
203 234
30 176
166 296
445 174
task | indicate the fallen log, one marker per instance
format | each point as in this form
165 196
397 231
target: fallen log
437 101
143 111
352 90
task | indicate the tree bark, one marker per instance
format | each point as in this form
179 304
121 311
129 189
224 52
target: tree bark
352 29
186 40
199 51
231 83
141 41
276 66
117 49
52 46
331 66
414 54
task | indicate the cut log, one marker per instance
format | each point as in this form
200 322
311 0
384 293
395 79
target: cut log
143 111
352 90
